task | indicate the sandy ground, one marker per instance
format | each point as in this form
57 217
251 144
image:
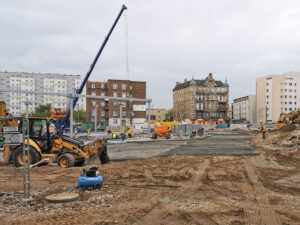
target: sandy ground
261 188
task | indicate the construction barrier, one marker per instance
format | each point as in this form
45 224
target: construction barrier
13 180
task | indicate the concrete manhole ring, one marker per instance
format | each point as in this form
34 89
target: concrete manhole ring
62 197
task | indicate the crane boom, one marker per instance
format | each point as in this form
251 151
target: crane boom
78 91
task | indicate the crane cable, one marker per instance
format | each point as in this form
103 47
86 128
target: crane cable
126 46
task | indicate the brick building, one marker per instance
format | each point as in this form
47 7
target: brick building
108 111
200 99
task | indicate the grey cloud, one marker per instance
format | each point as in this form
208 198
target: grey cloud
168 40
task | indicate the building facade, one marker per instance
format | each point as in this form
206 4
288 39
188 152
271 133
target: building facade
108 111
37 82
276 94
200 99
157 115
244 109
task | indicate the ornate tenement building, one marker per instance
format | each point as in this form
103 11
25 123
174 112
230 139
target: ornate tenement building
201 99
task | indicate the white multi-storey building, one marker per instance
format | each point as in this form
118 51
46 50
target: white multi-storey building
276 94
37 82
244 109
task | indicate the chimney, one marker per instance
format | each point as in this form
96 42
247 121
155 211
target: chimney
185 80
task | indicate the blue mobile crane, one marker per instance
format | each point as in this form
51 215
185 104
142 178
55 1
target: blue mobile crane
65 120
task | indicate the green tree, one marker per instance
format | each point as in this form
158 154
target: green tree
81 115
42 111
170 115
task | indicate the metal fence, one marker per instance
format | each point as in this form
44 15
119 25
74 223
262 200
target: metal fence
186 129
15 180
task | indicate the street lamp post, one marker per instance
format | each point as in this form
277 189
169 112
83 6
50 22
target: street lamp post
121 116
96 106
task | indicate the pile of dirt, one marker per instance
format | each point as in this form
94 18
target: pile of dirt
288 127
289 136
282 145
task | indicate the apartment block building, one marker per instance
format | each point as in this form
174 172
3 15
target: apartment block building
157 115
205 99
276 94
38 82
108 111
244 109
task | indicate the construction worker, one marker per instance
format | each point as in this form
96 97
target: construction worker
114 136
88 131
75 131
263 130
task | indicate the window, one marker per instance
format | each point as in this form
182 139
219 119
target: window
115 86
123 95
115 103
115 113
130 88
93 85
115 121
102 113
123 113
102 86
102 94
115 94
93 104
123 86
102 103
93 94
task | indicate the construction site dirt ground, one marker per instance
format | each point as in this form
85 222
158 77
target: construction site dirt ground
222 179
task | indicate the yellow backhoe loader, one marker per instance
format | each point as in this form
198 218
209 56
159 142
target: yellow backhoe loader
287 118
45 142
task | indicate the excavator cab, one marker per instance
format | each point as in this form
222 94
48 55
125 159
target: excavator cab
39 133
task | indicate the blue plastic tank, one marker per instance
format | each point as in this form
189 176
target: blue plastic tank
94 182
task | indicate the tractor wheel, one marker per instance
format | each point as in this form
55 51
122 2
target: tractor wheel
104 158
66 160
168 136
34 156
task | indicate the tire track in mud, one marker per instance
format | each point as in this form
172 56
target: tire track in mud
262 213
160 214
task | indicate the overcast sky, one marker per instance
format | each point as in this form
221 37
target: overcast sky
168 40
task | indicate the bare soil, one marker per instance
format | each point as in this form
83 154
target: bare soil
214 189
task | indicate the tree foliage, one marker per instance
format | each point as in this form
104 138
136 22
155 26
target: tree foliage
170 115
81 115
42 111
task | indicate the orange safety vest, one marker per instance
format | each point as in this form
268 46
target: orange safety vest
264 128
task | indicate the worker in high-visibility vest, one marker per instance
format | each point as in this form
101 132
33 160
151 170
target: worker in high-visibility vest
114 136
263 130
